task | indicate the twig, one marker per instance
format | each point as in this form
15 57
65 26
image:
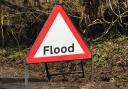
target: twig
2 22
110 5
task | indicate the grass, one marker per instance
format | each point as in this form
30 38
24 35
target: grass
13 53
110 50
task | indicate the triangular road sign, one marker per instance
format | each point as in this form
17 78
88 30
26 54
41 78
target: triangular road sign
58 40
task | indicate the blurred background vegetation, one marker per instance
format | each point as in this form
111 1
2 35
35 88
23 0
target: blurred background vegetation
22 20
102 23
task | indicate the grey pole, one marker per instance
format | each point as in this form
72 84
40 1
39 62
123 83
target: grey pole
26 73
92 70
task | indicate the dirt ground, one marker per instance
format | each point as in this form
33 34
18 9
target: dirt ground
12 77
64 85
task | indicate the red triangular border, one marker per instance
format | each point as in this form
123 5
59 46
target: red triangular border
39 40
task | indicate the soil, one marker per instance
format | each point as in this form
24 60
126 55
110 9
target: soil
12 77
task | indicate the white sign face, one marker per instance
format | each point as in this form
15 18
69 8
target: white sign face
59 40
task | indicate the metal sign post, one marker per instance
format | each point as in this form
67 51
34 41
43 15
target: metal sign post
82 68
92 70
47 72
26 73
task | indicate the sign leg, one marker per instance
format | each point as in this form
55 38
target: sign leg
92 70
26 73
82 68
48 75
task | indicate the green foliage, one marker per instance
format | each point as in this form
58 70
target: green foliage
110 52
3 52
13 53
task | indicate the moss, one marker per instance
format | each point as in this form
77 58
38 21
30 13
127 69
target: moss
110 51
13 53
